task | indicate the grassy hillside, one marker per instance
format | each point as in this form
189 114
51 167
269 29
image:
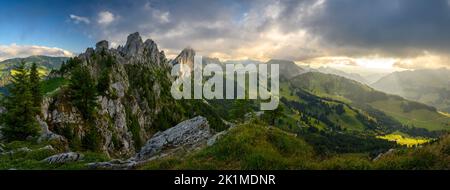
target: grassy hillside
45 65
249 146
308 110
255 146
406 112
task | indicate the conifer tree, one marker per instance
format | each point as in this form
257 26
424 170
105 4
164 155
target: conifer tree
19 120
35 86
83 91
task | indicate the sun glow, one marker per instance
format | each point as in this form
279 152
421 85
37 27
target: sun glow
376 63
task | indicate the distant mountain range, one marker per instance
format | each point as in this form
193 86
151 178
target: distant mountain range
45 64
377 104
353 76
431 87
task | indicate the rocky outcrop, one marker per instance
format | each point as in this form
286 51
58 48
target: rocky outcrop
188 134
135 50
133 103
63 158
47 135
133 46
125 113
101 46
381 155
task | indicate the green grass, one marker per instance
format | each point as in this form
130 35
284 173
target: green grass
249 146
52 84
435 156
420 118
32 160
286 92
255 147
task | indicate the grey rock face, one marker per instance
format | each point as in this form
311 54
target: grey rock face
101 45
46 134
89 52
116 164
134 45
122 102
64 158
152 52
381 155
189 134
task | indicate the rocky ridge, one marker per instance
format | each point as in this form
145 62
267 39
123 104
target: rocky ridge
125 113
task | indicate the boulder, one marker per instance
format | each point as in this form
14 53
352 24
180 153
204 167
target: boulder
114 164
381 155
48 147
187 134
64 158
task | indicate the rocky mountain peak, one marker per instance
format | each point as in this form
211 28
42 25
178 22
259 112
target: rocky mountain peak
101 45
287 69
134 45
185 57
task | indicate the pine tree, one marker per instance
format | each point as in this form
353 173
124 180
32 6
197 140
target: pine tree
35 86
240 108
19 120
273 115
83 91
103 82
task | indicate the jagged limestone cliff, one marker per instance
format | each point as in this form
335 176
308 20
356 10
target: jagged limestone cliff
134 103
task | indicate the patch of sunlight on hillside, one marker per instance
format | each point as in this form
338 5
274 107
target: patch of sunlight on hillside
403 140
42 72
420 118
444 113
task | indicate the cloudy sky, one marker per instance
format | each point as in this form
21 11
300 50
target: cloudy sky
376 34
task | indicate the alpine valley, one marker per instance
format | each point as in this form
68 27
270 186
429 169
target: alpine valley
111 108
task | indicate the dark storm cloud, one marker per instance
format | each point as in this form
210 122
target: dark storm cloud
399 28
386 26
